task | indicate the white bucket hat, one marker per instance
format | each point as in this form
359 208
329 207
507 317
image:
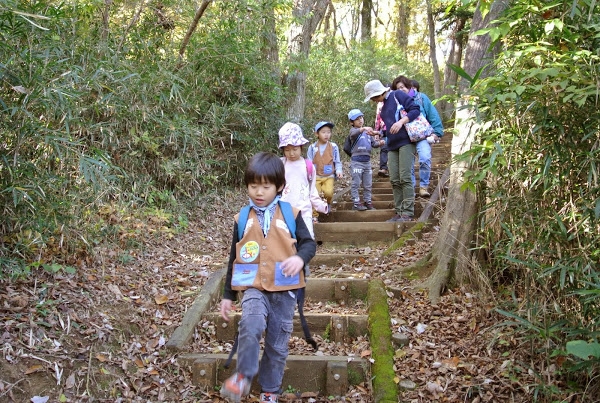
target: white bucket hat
374 88
290 134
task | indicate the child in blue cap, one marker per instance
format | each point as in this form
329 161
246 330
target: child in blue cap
325 156
363 141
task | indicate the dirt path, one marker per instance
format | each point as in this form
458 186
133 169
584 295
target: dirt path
99 334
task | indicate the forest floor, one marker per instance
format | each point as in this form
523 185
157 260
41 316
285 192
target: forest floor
99 334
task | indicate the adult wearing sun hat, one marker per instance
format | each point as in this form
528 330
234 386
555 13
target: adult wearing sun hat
401 150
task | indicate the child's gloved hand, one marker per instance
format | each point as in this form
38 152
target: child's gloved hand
432 139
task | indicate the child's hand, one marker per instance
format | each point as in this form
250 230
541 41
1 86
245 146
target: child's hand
226 307
292 266
381 143
339 175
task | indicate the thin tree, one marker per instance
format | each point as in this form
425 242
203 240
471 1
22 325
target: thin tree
307 14
432 51
455 23
188 35
269 46
402 25
452 250
365 20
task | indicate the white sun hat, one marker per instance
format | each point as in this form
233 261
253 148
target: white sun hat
374 88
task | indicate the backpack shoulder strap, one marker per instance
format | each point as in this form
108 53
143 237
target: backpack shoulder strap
309 168
355 141
288 216
290 220
242 220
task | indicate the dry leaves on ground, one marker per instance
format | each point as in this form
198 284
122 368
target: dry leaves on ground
100 334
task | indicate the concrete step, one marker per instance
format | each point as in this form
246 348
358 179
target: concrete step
327 374
334 260
337 328
359 233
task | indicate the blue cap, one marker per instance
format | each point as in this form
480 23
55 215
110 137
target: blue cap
355 114
319 125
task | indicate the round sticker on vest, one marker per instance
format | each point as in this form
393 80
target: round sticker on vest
249 251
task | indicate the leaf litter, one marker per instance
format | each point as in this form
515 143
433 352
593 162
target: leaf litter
100 333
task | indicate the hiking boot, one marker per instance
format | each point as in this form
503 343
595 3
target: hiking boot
268 397
400 218
369 206
384 173
423 192
235 387
359 207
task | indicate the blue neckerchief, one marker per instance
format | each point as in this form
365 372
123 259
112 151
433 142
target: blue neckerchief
265 219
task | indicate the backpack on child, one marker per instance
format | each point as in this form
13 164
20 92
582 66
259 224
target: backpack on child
349 145
290 221
309 170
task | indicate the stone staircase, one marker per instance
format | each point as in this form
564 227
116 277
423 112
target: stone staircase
343 228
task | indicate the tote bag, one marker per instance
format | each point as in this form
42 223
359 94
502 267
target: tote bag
419 129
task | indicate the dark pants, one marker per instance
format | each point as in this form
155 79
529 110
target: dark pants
383 155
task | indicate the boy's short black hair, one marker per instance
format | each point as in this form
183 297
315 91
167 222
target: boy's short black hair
267 167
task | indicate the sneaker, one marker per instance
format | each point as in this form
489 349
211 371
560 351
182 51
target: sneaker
400 218
235 387
359 207
369 206
423 192
268 397
383 173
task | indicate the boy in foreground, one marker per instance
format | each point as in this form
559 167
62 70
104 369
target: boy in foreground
267 264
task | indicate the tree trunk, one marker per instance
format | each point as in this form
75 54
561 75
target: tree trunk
452 250
432 51
455 58
192 28
402 27
307 16
106 19
269 47
365 23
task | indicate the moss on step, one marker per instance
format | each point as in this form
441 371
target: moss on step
382 370
405 237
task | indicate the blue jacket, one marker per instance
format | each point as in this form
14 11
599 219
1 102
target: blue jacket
388 115
430 113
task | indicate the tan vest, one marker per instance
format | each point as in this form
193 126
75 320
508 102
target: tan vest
326 159
258 259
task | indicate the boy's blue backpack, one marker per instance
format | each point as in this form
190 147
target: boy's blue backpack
290 221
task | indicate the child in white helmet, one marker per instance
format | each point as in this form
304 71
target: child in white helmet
300 188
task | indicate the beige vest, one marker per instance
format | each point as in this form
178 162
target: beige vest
258 259
326 159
